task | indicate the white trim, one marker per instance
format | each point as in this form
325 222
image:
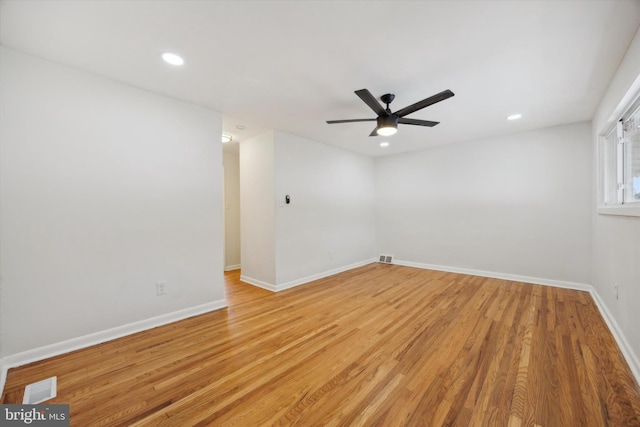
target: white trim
298 282
625 103
496 275
627 351
232 267
258 283
618 335
625 210
56 349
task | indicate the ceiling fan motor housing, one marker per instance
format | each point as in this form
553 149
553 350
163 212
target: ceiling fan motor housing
388 121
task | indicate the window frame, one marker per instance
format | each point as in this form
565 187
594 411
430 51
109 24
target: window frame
620 206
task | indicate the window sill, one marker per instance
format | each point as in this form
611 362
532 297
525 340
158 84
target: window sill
620 210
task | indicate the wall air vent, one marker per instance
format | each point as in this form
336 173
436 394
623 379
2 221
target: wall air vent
40 391
386 259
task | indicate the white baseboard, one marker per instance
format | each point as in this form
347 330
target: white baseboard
298 282
497 275
232 267
618 335
51 350
258 283
627 351
293 283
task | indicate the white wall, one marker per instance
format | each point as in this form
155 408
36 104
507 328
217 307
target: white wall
105 190
516 204
328 227
231 162
257 210
329 224
616 239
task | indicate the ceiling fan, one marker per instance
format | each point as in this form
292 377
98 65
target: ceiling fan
388 121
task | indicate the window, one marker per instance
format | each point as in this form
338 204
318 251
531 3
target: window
631 168
620 160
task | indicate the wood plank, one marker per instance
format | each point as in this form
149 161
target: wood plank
377 345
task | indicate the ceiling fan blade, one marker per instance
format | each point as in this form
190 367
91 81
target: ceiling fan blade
372 102
375 132
417 122
350 121
424 103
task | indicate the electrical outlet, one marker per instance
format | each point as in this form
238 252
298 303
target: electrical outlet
161 288
615 288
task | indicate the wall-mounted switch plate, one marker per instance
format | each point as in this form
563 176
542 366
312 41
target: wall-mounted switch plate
161 288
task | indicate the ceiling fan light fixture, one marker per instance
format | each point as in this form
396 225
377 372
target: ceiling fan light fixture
387 131
387 125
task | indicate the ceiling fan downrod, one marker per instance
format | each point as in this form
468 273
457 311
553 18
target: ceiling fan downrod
387 98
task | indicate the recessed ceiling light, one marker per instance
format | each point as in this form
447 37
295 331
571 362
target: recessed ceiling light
384 144
226 138
240 127
514 117
172 58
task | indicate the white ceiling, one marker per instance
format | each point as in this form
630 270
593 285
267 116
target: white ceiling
291 65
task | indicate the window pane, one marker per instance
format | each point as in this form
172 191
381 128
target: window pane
632 158
610 168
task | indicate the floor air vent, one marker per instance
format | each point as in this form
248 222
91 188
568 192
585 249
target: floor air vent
386 259
40 391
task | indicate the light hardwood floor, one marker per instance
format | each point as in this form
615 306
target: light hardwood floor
379 345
